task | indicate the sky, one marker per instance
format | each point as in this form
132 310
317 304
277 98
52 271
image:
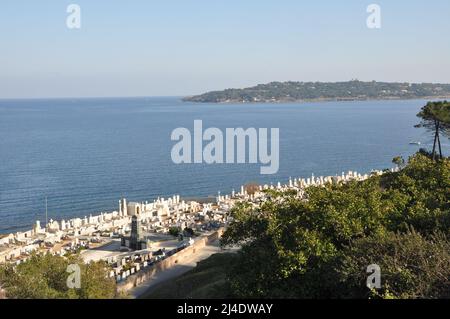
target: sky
185 47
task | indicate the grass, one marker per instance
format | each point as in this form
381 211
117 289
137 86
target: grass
206 281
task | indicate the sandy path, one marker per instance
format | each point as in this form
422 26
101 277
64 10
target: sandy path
177 270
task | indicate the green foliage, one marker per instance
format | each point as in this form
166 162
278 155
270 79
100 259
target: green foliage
435 111
297 91
174 231
435 116
296 248
412 265
96 283
45 277
189 231
419 196
399 161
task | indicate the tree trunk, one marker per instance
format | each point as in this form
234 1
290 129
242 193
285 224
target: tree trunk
439 141
435 140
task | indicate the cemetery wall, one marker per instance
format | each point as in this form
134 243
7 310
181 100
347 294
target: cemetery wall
145 274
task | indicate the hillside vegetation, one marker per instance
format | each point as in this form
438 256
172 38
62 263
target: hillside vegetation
321 247
44 276
307 91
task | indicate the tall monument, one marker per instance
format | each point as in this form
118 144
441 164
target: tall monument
135 236
136 241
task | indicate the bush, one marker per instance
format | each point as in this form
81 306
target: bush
174 231
189 232
296 248
411 266
45 277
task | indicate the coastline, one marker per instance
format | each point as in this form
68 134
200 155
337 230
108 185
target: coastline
78 232
137 272
104 216
318 100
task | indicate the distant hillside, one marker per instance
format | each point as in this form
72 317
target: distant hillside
310 91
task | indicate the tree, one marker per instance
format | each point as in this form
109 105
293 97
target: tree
412 266
435 116
399 161
44 276
189 232
251 188
174 231
96 283
295 248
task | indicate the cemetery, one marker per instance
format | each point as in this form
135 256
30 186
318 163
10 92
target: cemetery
135 240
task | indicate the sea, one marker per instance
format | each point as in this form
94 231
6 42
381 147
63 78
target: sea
83 155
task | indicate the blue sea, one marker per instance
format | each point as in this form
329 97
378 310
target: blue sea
85 154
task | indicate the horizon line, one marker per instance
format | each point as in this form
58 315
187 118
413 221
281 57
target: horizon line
91 97
207 91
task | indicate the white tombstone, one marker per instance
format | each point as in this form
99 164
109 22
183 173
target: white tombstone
37 227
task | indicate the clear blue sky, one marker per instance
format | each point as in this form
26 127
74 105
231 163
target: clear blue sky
180 47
